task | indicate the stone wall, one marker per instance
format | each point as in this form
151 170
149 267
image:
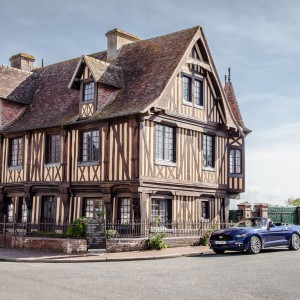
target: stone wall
76 246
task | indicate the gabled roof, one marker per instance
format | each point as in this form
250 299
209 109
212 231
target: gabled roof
147 66
16 85
231 98
102 72
143 69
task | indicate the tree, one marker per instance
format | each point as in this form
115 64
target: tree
293 201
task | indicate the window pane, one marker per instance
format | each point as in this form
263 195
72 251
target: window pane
88 91
125 210
160 210
235 161
208 151
186 88
16 152
53 148
198 93
165 143
90 145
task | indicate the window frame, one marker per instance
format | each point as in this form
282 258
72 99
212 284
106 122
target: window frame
19 155
163 204
86 97
189 85
127 212
44 199
193 78
205 213
165 144
57 147
236 150
205 165
89 147
92 204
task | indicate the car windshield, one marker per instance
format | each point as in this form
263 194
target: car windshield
252 223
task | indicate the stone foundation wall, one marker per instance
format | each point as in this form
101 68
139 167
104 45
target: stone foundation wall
75 246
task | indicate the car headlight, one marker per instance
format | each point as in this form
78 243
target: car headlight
241 235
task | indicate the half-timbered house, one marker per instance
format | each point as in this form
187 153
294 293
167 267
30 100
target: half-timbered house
142 130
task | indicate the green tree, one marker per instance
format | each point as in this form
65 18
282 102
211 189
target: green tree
293 201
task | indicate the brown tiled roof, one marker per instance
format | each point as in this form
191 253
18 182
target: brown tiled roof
231 98
147 66
16 85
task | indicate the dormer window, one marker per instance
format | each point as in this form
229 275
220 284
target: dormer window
88 91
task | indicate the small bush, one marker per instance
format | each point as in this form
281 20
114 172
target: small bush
111 233
77 228
156 241
203 241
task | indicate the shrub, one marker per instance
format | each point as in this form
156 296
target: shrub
77 228
111 233
203 241
156 241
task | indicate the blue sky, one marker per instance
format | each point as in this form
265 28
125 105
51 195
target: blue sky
258 39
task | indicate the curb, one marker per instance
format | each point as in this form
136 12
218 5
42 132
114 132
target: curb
106 259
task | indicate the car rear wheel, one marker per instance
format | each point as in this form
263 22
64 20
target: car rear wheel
254 245
294 242
218 251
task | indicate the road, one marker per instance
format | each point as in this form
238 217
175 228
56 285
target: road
273 274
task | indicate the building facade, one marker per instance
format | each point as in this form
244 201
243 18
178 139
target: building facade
141 131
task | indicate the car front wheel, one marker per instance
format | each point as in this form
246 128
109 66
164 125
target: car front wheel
254 245
294 242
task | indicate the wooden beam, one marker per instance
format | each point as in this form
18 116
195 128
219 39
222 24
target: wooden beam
200 63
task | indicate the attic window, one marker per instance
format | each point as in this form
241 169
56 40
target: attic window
88 92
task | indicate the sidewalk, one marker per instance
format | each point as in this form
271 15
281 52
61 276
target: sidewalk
14 255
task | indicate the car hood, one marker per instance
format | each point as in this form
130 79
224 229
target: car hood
233 230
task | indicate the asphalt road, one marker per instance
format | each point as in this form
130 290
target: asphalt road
269 275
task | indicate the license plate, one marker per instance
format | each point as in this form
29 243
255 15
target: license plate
220 242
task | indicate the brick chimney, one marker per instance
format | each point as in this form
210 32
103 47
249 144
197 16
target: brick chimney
22 61
116 38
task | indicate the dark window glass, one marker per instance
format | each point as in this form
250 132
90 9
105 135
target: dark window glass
48 209
235 159
15 152
90 146
198 92
165 144
160 210
88 91
205 210
208 151
186 88
125 208
93 207
53 148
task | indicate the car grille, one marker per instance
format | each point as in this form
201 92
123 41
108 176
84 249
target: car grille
221 237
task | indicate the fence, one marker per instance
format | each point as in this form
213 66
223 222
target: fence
135 229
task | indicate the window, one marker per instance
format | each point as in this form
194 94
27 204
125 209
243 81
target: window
15 152
23 211
235 159
53 149
10 211
93 207
160 210
90 146
125 208
165 144
88 91
198 92
204 210
208 151
186 88
48 209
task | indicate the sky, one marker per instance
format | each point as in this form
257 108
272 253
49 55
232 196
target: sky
258 39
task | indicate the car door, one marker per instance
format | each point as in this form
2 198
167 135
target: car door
275 236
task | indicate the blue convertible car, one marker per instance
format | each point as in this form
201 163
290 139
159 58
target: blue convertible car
254 234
